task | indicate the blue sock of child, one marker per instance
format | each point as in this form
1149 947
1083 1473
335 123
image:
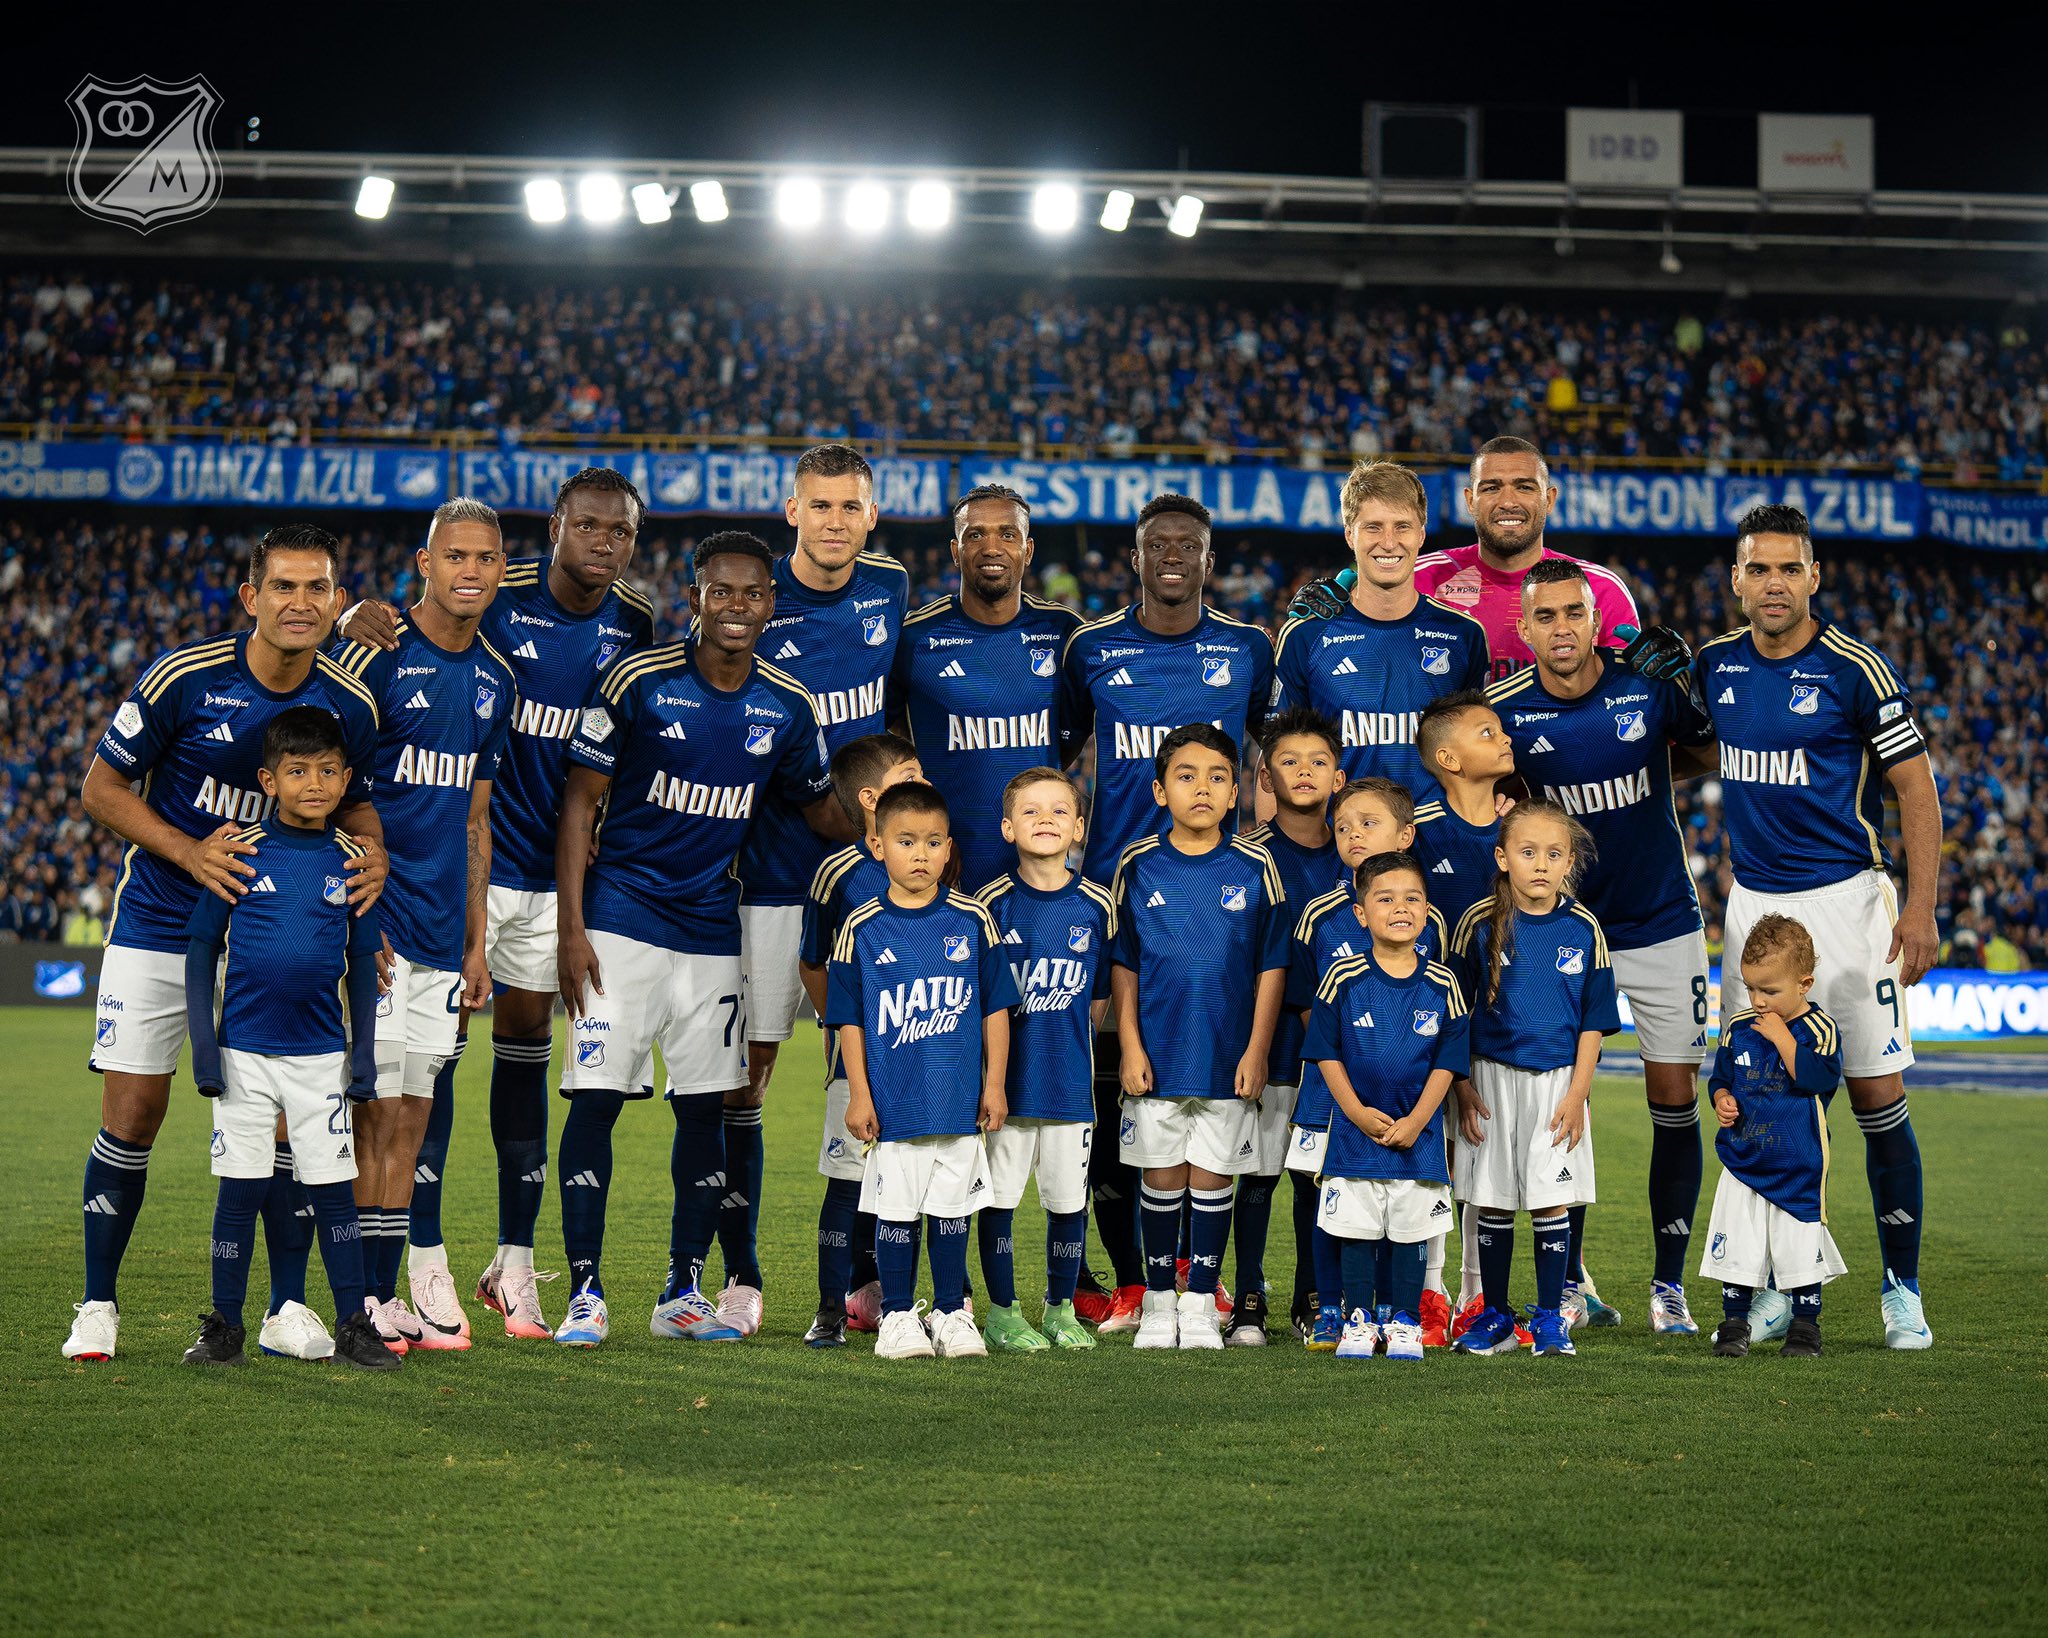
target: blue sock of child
1891 1160
341 1246
1360 1260
864 1270
1066 1242
1675 1168
586 1184
1209 1214
1735 1300
896 1262
1805 1300
949 1263
1305 1198
838 1220
1496 1256
1328 1253
234 1238
1251 1221
1553 1231
287 1232
1575 1245
998 1230
1408 1265
1159 1228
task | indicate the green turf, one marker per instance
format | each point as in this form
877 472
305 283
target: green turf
1643 1485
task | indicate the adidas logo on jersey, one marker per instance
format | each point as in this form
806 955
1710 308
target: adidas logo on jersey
789 651
1362 1021
1011 937
1742 1059
1119 678
1542 744
266 885
1346 667
1442 868
582 1180
221 732
1158 898
1727 697
1342 950
526 651
419 702
887 958
674 731
952 668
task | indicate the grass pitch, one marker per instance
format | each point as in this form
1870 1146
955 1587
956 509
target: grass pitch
519 1487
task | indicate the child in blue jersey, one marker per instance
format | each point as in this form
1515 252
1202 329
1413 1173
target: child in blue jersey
276 1045
920 995
1536 963
1777 1069
1201 959
1467 752
1389 1031
849 1290
1057 930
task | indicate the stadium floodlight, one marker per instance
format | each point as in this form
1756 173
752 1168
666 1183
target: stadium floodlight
1055 207
652 203
867 207
545 201
929 206
373 198
707 199
1185 217
600 198
799 202
1116 210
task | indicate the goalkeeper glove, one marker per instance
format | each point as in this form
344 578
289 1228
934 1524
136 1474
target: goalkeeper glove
1659 653
1321 599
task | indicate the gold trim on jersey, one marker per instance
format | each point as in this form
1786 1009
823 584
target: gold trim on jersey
1276 890
938 605
1444 976
842 946
1599 933
1144 844
1883 676
1469 924
834 869
1342 971
355 685
1316 908
1090 625
1513 683
215 651
636 666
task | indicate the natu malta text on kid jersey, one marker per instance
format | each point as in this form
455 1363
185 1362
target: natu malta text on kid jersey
1057 943
1130 688
445 718
555 656
192 732
1805 744
689 765
839 646
979 701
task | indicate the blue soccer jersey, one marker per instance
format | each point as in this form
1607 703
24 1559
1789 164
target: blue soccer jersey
1805 743
918 984
191 732
1130 688
1458 866
1390 1034
846 880
838 645
1374 678
1198 929
1780 1145
1058 944
1305 874
555 657
445 719
1555 983
689 766
1605 758
979 702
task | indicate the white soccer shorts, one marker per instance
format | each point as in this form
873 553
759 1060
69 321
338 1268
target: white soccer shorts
417 1021
1666 986
1516 1166
519 940
308 1092
140 1027
1306 1146
688 1005
926 1177
1273 1123
1851 923
1219 1135
1398 1209
839 1151
1750 1240
769 937
1057 1150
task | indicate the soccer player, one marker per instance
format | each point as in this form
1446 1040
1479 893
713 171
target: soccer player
1812 726
1200 969
849 1288
1390 1033
1774 1076
1543 996
560 622
677 747
1597 739
1057 929
292 945
175 776
1129 680
977 675
920 995
1468 753
445 701
1374 665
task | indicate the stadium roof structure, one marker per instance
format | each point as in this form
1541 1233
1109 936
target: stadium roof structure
471 211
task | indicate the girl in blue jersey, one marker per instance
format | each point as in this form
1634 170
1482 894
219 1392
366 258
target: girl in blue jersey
1536 966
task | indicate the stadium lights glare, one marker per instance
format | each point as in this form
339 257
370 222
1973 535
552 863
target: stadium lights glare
600 198
929 206
799 202
652 203
867 207
1055 207
1186 216
373 198
1116 210
545 201
707 199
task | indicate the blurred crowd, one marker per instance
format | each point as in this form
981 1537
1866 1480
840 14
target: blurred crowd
1307 379
85 605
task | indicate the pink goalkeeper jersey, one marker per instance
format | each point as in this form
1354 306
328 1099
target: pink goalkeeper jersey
1493 597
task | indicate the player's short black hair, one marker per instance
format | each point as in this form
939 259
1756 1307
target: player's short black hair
1375 865
860 764
832 461
994 492
292 537
303 730
913 796
1298 722
1391 794
730 543
1776 520
605 478
1195 733
1186 505
1552 571
1440 719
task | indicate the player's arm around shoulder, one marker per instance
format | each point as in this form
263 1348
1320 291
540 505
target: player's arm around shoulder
206 937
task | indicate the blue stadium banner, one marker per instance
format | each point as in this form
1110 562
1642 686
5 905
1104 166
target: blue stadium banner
1256 497
2006 522
1949 1004
210 474
1695 503
699 484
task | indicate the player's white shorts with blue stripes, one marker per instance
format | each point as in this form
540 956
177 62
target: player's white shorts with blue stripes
417 1020
1750 1240
1306 1146
687 1004
926 1177
770 936
140 1026
1516 1166
1275 1121
1219 1135
1666 986
839 1151
519 939
1057 1150
1398 1209
310 1092
1851 923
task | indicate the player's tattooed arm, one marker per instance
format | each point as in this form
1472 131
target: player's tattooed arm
371 622
575 961
214 861
367 871
476 969
1915 941
1136 1073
